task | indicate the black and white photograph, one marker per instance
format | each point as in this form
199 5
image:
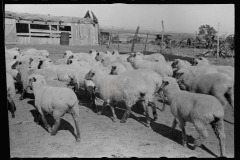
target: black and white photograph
120 80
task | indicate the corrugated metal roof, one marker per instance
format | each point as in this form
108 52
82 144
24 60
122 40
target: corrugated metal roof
46 18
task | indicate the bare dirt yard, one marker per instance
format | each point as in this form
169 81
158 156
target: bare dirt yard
100 136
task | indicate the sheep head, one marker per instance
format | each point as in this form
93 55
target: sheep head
90 74
113 69
169 86
35 79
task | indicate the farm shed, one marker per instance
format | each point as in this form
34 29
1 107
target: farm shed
24 28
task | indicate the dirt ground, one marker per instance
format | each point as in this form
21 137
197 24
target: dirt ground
100 136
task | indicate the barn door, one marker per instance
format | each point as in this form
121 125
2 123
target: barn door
10 31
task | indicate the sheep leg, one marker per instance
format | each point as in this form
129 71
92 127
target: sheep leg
94 101
126 114
162 97
103 106
75 115
55 126
113 112
46 123
154 110
174 125
184 137
57 116
147 113
23 93
12 106
203 134
218 128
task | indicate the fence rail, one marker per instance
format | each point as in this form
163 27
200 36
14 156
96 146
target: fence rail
44 33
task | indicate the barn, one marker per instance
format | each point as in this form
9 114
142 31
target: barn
25 28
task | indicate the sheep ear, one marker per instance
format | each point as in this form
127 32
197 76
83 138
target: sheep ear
34 79
134 55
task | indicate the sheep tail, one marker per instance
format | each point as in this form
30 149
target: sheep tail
230 96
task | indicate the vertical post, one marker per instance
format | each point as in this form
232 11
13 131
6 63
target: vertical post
162 37
145 48
118 41
133 41
218 40
110 37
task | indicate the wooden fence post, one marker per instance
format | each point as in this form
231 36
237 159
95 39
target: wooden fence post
110 37
135 37
145 48
118 41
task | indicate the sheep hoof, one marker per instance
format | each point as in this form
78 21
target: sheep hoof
53 133
78 139
155 118
114 119
122 121
148 124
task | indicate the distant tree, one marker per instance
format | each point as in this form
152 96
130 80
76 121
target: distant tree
206 31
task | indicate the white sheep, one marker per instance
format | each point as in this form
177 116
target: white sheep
11 93
179 64
66 74
44 53
44 63
221 69
219 85
155 57
117 68
49 82
35 52
11 53
196 70
83 57
161 68
128 88
55 101
198 109
67 54
24 71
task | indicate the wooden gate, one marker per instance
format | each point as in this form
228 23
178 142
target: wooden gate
10 31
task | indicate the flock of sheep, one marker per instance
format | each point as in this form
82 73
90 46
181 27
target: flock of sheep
197 93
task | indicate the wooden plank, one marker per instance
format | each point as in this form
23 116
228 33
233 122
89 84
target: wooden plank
145 48
31 34
47 31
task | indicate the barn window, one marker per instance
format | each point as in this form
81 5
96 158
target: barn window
64 28
22 27
39 26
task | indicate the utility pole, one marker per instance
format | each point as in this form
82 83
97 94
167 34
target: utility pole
162 37
218 40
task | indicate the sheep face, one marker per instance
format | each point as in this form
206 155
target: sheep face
113 69
90 75
175 63
36 79
168 84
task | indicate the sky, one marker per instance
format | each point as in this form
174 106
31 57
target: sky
186 18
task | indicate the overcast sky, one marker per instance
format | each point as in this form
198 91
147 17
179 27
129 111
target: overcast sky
177 17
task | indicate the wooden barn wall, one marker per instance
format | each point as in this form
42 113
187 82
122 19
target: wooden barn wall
36 40
10 31
81 34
